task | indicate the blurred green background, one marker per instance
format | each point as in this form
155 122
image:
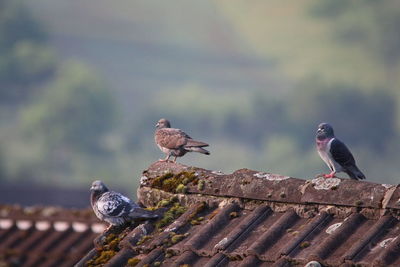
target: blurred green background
82 84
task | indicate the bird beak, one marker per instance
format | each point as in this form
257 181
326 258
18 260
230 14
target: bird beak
158 124
92 188
319 130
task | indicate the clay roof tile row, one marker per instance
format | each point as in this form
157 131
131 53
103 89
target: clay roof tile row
251 218
45 236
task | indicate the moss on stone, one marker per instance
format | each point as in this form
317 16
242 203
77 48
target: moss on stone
233 214
159 181
105 256
195 222
144 239
181 188
163 203
168 255
174 212
169 182
201 184
176 238
133 262
358 202
108 250
305 244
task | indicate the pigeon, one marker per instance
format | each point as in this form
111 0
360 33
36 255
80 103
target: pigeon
174 142
115 208
335 153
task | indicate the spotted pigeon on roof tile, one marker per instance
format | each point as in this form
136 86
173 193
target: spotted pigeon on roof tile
175 142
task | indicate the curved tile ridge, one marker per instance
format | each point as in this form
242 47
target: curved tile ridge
383 223
389 254
245 226
338 236
250 184
272 234
308 230
196 242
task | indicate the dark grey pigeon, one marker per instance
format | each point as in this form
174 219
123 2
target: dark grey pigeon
335 153
174 142
115 208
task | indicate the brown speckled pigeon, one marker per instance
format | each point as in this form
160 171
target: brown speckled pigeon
335 153
174 142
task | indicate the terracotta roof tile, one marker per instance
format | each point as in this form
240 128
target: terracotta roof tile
45 236
251 218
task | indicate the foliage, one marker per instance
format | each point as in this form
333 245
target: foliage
360 115
75 110
335 61
25 58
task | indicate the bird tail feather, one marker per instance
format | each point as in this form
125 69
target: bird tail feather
142 213
197 149
191 142
355 173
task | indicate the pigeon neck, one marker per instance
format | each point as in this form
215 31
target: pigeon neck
95 195
324 137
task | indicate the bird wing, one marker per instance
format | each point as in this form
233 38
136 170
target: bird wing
114 204
171 138
341 154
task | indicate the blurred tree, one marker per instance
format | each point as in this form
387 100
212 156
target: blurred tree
25 58
369 25
2 167
358 115
76 110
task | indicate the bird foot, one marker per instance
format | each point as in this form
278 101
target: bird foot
164 160
331 175
326 176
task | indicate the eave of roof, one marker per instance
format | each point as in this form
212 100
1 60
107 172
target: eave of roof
251 218
45 236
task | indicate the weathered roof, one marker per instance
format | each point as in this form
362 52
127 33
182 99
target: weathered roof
251 218
45 236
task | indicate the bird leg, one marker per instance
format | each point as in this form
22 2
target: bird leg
174 160
331 175
166 159
107 229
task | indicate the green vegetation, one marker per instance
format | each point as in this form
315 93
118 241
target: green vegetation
107 251
175 183
174 212
256 96
133 261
